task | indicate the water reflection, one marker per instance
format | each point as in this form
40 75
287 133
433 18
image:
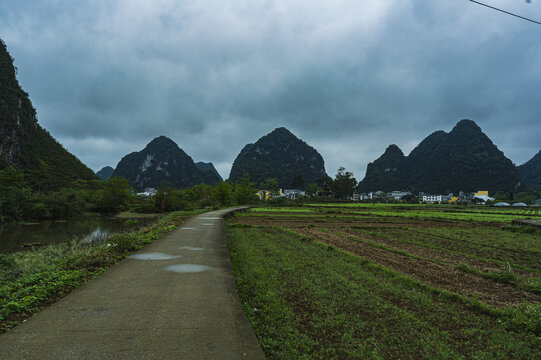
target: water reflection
153 256
87 228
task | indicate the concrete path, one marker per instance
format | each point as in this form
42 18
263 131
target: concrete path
175 299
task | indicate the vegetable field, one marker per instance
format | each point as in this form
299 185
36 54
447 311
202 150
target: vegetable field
385 282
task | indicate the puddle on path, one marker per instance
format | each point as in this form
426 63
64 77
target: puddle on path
207 224
190 248
187 268
210 218
153 256
187 228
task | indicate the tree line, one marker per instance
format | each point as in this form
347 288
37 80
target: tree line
20 201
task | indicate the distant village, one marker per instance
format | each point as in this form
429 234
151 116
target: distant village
480 197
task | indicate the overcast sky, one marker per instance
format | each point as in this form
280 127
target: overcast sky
347 77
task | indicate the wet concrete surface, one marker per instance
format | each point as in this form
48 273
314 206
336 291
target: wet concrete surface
153 256
187 268
191 248
166 302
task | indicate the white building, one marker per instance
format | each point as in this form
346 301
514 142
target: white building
483 197
149 192
398 195
432 198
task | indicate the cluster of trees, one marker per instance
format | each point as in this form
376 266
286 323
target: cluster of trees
20 200
199 196
341 186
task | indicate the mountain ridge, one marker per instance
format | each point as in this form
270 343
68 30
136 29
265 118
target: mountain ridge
465 159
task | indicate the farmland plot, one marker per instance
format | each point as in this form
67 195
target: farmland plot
384 282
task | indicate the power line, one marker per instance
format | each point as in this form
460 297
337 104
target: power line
506 12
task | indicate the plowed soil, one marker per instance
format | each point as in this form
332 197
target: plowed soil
337 221
439 276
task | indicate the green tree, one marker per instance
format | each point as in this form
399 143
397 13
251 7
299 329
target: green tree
14 195
344 183
115 195
41 178
168 199
312 189
271 184
244 192
223 193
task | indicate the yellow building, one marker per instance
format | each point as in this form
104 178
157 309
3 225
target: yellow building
263 194
481 193
454 199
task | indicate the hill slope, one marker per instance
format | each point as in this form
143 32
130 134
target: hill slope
280 155
105 173
24 144
212 175
386 172
530 172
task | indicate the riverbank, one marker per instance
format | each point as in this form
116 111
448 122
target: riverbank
31 280
134 215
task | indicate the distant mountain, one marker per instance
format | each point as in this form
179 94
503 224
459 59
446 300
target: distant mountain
24 144
463 159
530 172
105 173
161 161
213 175
280 155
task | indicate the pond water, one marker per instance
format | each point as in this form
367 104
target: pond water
84 228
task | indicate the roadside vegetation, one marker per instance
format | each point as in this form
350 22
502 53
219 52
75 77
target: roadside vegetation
22 200
31 280
375 282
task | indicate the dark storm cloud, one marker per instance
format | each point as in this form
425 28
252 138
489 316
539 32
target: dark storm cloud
348 77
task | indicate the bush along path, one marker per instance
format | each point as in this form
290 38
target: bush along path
30 281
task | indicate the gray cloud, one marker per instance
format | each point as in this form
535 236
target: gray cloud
348 77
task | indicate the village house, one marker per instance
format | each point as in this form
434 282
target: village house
263 194
398 195
482 195
432 199
294 193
